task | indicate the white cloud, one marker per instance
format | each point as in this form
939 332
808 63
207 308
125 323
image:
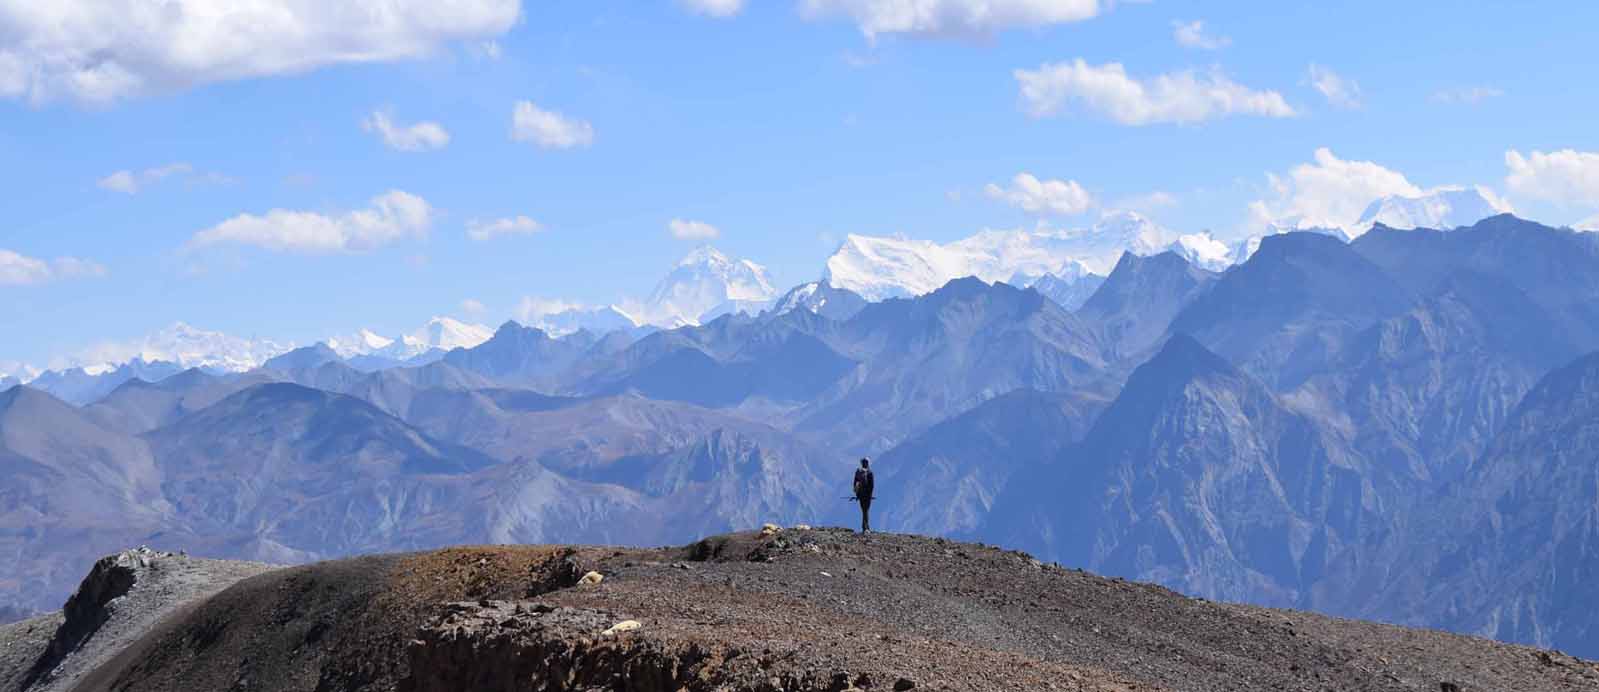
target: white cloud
102 51
487 50
513 225
130 182
548 129
1467 95
1059 197
1566 176
692 230
1148 202
19 270
531 309
1340 92
423 136
1192 35
951 17
1330 192
1179 97
714 8
473 307
392 216
120 181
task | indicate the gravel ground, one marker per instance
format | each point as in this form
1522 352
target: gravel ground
21 643
795 610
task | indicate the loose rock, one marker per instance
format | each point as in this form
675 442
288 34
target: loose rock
620 627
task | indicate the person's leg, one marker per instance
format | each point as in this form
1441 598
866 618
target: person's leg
866 515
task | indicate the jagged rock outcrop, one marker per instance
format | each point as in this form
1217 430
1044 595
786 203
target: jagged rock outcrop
120 599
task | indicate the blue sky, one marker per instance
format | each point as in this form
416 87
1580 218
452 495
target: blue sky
784 125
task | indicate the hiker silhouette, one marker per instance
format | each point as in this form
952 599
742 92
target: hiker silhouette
864 484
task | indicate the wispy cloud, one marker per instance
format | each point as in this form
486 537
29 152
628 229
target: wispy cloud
392 216
549 129
422 136
1339 91
683 229
1470 95
1178 97
1051 197
1147 202
721 9
131 182
1192 35
17 269
946 18
494 228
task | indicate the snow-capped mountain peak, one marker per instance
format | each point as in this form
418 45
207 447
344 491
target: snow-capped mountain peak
446 333
1442 208
442 333
185 345
17 372
1203 250
361 343
704 283
883 267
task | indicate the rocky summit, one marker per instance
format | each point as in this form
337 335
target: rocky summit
775 610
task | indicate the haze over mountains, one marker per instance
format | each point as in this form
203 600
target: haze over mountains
1394 427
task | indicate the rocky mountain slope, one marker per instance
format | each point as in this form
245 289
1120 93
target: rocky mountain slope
779 610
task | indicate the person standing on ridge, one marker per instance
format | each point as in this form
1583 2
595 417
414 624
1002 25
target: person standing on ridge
863 493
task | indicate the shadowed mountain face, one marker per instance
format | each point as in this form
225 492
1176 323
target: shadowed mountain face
947 480
80 388
70 491
522 355
1512 551
138 407
1283 315
301 468
1426 390
1155 490
1557 269
794 369
1139 300
927 359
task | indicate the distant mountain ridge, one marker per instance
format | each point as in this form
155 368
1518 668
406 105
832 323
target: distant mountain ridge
1389 427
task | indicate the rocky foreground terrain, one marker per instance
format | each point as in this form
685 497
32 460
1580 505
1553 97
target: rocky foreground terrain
795 609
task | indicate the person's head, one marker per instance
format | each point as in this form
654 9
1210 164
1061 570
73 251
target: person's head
865 463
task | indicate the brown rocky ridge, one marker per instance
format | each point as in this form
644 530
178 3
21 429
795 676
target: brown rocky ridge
788 609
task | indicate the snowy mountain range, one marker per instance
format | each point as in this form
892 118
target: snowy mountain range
439 334
1066 265
180 344
706 284
878 268
702 286
1444 208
